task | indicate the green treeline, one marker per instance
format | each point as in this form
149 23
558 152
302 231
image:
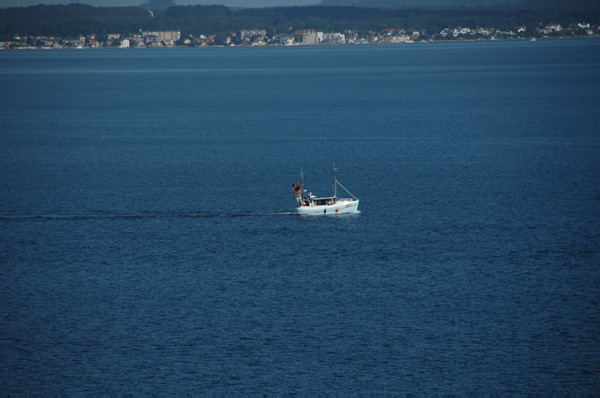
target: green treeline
71 20
78 19
460 3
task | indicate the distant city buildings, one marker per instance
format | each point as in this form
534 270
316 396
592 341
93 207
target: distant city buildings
259 37
550 28
333 38
308 36
161 39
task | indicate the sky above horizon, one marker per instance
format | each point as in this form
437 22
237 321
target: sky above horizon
122 3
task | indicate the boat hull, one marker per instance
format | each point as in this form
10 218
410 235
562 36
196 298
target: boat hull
342 206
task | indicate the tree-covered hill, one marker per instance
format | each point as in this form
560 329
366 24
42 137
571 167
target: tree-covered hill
71 20
77 19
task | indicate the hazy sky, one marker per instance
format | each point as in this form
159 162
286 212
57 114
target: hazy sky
117 3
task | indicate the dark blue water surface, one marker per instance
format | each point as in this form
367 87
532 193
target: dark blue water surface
147 242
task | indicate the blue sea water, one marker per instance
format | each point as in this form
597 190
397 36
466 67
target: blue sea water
148 244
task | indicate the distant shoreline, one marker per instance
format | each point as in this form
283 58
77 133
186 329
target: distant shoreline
80 26
418 42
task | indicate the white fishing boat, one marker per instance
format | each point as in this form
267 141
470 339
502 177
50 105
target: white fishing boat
312 205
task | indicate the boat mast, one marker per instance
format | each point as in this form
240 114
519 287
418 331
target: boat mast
300 191
301 185
335 182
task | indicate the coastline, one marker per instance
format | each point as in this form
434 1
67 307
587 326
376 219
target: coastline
417 42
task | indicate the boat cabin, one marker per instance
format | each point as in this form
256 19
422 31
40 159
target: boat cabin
312 200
